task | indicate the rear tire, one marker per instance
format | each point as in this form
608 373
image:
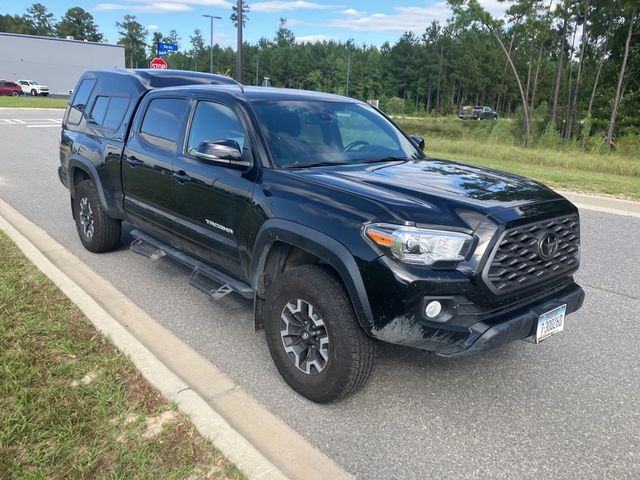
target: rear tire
339 356
98 232
14 94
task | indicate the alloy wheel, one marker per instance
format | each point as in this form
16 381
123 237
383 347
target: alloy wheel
86 217
304 337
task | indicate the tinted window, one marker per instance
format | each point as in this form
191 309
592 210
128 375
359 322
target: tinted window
115 113
80 101
162 120
98 111
213 122
108 112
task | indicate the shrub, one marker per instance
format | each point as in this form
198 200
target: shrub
502 132
629 145
395 105
550 137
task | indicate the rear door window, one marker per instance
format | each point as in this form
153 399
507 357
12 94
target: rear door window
108 112
115 113
162 120
79 102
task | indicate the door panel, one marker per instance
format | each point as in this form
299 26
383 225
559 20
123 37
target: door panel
148 159
213 201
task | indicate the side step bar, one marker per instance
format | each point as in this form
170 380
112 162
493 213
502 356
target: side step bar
204 277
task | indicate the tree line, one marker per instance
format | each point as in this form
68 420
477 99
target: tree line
566 71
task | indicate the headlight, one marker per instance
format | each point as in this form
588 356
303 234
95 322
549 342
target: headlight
420 246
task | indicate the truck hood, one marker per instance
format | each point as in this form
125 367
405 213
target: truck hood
421 188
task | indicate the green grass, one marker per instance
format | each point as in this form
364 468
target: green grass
55 425
565 168
32 102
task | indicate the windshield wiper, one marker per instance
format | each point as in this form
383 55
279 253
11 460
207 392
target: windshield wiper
316 164
385 159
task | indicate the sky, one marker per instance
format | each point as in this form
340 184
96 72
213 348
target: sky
364 21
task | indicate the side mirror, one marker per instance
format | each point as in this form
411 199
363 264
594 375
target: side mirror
418 140
220 151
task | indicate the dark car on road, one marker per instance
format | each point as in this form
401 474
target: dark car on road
10 88
324 214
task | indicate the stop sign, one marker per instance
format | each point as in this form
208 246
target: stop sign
158 64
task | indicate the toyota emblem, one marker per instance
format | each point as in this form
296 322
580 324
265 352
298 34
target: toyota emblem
548 245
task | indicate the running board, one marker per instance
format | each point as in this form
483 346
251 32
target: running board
204 277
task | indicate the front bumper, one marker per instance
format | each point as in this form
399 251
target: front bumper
496 328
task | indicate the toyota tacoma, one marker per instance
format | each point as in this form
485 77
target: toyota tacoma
324 213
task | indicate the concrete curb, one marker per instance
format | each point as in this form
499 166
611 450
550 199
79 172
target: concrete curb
598 203
208 422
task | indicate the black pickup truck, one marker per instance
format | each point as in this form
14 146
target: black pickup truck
324 213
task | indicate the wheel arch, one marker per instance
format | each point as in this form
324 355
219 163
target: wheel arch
80 169
282 244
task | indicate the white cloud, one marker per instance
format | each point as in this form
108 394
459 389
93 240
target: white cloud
151 6
315 38
403 19
352 12
153 28
283 6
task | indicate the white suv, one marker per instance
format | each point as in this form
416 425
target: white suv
29 87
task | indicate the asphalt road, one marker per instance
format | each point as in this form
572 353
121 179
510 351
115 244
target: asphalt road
568 408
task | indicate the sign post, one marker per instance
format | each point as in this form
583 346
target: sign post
158 64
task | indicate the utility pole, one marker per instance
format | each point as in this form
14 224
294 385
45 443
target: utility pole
211 17
239 52
348 68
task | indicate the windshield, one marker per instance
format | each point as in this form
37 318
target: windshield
311 133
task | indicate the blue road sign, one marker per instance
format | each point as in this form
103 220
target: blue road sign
167 47
162 53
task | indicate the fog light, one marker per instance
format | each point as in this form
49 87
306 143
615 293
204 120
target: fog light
433 309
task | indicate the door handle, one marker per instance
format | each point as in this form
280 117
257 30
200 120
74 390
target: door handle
134 161
181 176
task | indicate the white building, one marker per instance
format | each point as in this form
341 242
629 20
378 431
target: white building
55 62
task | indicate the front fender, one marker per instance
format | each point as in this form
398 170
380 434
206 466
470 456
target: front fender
326 248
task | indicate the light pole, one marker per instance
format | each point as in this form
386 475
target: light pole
348 68
239 14
211 17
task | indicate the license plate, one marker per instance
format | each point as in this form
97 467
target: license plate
550 323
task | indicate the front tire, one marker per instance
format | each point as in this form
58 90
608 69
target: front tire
34 92
313 336
98 232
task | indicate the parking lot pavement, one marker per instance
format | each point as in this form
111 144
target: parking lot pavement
567 408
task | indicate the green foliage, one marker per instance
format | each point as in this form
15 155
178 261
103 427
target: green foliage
502 132
550 137
79 24
395 105
132 37
629 146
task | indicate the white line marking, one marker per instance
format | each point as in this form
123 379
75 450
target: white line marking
21 122
42 126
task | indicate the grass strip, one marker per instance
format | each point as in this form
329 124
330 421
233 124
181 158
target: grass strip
565 177
32 102
71 405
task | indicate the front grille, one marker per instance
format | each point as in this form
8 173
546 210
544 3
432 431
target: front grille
517 262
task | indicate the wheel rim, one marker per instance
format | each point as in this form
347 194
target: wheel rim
304 337
86 217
